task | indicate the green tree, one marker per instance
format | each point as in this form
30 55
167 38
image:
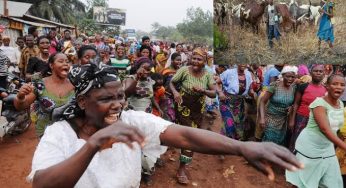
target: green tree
197 27
63 11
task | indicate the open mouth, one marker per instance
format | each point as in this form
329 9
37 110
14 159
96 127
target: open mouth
111 118
45 50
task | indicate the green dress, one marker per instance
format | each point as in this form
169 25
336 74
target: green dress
317 152
44 105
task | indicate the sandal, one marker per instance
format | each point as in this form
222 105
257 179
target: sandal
183 179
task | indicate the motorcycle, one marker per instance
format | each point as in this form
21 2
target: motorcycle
12 121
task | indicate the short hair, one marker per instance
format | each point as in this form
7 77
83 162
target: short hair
32 30
20 38
67 30
83 49
332 76
145 38
172 45
156 76
175 55
42 37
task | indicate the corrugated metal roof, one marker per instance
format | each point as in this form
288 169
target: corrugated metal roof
48 21
16 9
32 23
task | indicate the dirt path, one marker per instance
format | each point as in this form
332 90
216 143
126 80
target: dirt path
205 170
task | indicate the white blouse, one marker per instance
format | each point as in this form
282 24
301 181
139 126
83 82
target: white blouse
118 166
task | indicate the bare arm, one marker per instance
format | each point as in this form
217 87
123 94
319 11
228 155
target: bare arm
25 97
68 172
320 115
292 118
263 101
211 92
202 141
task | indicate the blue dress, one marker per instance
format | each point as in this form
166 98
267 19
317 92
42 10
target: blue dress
326 30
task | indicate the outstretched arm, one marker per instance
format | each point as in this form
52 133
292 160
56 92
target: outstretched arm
260 155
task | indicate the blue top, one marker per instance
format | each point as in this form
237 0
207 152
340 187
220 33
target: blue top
272 72
230 81
326 30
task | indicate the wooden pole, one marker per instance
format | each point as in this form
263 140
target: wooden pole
5 8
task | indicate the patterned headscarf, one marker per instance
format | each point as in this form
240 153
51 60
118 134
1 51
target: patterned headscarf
199 51
84 78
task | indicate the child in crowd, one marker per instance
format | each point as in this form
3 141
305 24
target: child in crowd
159 94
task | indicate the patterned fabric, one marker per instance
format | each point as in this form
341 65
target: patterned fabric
189 113
44 105
188 81
158 97
4 61
167 105
233 116
27 53
141 100
277 110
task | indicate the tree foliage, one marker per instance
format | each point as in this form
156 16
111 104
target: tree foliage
198 26
56 10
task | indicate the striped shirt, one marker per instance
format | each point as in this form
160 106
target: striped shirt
188 81
4 60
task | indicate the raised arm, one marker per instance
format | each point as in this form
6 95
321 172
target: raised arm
320 115
25 97
202 141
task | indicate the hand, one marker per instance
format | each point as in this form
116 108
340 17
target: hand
26 89
222 96
117 132
290 125
161 113
263 155
198 89
140 73
177 98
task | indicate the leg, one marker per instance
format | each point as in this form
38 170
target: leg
319 44
185 158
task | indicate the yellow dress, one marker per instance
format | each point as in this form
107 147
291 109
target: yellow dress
340 153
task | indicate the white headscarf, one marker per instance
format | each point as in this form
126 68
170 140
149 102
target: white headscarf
289 68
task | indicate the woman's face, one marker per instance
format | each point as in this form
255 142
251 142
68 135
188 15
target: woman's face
145 53
177 63
103 106
44 45
288 78
88 54
144 71
336 87
197 63
242 67
60 66
179 48
317 73
120 51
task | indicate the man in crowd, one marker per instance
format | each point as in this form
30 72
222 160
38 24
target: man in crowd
30 50
12 53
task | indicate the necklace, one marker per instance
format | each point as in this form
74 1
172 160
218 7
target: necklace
45 60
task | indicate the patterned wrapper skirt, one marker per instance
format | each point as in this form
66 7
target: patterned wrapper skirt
167 106
300 124
190 112
276 128
233 115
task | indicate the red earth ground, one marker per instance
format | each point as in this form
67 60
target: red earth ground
206 171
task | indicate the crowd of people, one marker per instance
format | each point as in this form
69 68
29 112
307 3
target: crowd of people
105 108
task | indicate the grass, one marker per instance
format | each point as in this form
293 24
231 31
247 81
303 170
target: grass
246 47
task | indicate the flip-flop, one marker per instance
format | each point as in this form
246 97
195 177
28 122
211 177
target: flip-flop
183 179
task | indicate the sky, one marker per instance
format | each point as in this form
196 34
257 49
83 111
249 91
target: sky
165 12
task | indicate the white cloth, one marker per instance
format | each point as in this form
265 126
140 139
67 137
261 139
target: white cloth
12 53
118 166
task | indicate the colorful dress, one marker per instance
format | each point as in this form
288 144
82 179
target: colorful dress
340 153
141 100
44 105
309 92
167 104
317 152
233 108
326 29
277 113
189 113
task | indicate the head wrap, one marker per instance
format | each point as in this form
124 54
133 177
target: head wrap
303 70
289 68
84 78
199 51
